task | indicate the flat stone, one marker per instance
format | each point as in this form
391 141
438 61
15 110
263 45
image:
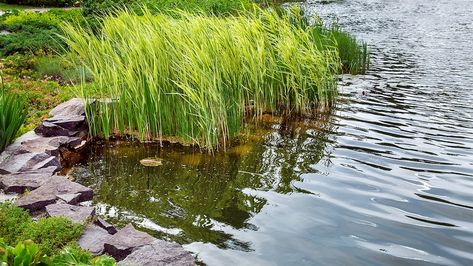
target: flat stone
69 198
77 214
48 145
19 182
23 162
7 197
30 135
71 123
73 107
160 253
41 160
125 241
49 192
103 224
93 239
47 129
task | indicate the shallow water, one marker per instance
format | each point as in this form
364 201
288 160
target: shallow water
387 178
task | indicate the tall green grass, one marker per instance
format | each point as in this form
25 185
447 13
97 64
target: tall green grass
13 113
197 77
354 54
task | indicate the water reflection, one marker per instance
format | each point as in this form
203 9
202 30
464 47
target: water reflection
386 179
196 193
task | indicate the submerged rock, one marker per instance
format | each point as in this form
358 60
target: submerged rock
125 241
159 253
152 162
93 239
50 191
77 214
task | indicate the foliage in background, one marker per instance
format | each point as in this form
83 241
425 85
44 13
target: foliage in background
33 32
101 7
42 93
196 76
13 111
47 3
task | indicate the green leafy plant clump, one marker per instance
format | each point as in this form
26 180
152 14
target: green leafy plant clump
28 253
43 3
48 241
197 76
33 32
51 233
13 112
103 7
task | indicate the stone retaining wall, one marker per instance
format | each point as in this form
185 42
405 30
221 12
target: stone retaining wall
32 164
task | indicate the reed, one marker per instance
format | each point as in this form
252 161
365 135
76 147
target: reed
197 77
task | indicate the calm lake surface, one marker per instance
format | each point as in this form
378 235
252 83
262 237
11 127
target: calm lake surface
385 179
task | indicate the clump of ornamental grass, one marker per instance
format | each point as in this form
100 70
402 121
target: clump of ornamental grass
354 54
197 76
13 113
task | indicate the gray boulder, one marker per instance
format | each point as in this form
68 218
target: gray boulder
93 239
48 129
159 253
19 182
73 107
77 214
103 224
23 162
50 191
125 241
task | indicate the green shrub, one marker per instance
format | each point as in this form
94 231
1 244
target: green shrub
13 112
52 234
100 7
35 33
13 221
47 3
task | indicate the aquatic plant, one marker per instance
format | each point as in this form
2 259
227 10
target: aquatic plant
354 54
196 76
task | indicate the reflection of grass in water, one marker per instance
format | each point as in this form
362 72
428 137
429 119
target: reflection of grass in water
195 192
241 150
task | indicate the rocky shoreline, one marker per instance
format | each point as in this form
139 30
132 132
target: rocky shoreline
29 174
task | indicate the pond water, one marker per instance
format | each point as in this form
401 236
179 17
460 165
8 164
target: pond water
386 178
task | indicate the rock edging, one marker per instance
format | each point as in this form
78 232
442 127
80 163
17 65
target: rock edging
29 167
